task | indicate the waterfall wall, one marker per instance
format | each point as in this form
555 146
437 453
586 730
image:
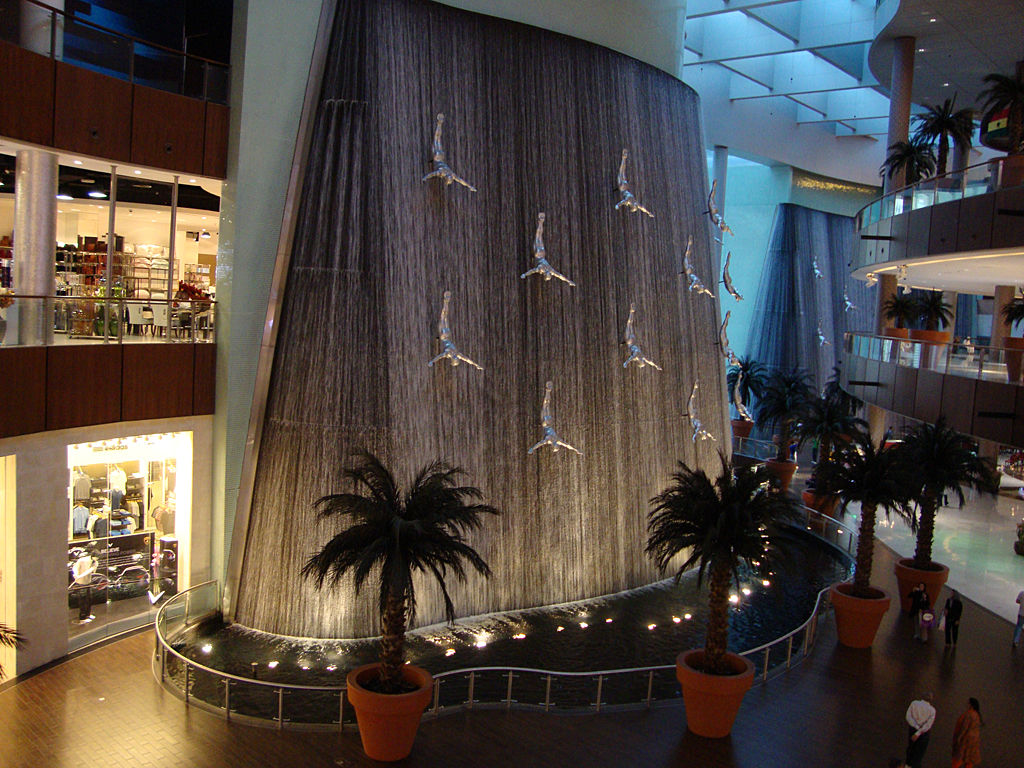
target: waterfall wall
537 122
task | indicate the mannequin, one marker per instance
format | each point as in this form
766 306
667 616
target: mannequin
118 480
83 570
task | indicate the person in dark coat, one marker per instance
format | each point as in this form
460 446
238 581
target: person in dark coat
919 601
952 611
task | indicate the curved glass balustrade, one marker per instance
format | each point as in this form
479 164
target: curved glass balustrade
956 359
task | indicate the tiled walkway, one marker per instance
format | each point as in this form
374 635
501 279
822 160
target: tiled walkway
838 708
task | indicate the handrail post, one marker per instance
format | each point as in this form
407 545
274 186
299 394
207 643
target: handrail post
163 662
227 699
789 652
472 683
600 684
341 710
437 695
650 687
547 694
807 638
188 667
767 653
508 693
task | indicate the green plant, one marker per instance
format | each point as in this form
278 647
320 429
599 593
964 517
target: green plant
1013 311
942 122
834 391
828 420
395 536
874 477
718 524
10 638
1007 93
901 309
933 311
941 460
785 396
914 158
754 376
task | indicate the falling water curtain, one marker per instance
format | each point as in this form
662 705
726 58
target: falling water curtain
537 122
793 304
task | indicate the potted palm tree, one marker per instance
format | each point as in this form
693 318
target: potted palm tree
745 379
1007 93
10 638
942 122
782 402
942 460
1013 315
874 477
394 536
935 314
913 160
829 420
901 309
717 525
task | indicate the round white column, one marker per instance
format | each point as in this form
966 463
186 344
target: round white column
35 237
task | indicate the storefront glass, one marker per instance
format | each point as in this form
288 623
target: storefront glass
129 515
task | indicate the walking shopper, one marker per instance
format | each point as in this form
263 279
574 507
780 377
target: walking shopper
951 612
1020 619
920 719
921 605
967 737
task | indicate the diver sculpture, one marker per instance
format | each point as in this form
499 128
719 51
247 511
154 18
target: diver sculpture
727 279
636 354
547 420
723 341
847 304
695 283
628 198
822 341
737 398
540 263
691 412
442 170
712 211
814 267
444 332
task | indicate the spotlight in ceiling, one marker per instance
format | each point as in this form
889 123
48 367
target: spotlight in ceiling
98 193
205 235
64 196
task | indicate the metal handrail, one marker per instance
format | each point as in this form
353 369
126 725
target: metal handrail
808 629
978 356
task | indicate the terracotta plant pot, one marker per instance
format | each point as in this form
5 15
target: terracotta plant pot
897 333
1014 347
741 427
783 471
930 350
909 577
712 701
824 503
1012 174
857 618
388 723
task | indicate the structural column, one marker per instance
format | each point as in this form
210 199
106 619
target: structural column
1000 330
887 288
899 100
35 237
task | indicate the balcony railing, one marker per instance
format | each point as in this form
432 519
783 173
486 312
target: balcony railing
97 319
978 179
307 706
956 359
46 30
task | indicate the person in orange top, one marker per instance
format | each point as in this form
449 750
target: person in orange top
967 737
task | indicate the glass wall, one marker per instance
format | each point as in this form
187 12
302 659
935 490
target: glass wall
129 516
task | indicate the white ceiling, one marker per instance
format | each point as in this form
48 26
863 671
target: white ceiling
975 272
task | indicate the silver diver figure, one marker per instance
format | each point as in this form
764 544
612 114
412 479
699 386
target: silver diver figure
540 263
818 274
628 198
636 355
547 420
727 279
723 341
691 412
444 331
822 341
737 398
712 211
695 283
442 170
847 304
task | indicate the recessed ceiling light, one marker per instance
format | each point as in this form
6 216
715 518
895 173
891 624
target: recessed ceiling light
78 162
191 181
932 20
97 193
138 173
64 196
945 85
920 50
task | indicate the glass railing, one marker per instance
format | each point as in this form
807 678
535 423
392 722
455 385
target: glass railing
309 706
956 359
973 180
84 319
63 36
760 450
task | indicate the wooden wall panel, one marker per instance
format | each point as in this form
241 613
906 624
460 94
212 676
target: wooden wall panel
904 390
958 402
887 383
994 407
167 130
883 247
942 227
26 95
975 223
918 232
157 381
898 232
1018 422
83 385
204 379
928 401
92 114
22 390
215 141
1008 219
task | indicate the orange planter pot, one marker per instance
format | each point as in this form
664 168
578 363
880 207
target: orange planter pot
909 577
1014 347
712 701
930 350
388 723
783 471
896 333
857 618
824 503
741 427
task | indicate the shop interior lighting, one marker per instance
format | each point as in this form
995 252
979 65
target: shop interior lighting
450 652
519 636
687 616
97 193
608 621
207 648
205 235
652 626
64 196
676 620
